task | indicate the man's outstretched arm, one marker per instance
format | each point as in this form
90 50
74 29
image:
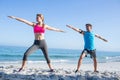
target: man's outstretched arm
101 38
76 29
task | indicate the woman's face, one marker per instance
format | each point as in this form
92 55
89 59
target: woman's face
38 19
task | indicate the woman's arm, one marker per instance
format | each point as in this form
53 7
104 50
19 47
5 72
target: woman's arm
76 29
101 38
22 20
53 29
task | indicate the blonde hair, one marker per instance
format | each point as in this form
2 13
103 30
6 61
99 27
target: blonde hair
42 17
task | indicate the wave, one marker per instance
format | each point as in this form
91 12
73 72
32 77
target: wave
108 59
38 55
57 58
113 59
32 61
9 55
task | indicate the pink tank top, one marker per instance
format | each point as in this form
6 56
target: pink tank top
39 29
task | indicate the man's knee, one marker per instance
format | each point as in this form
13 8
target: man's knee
94 59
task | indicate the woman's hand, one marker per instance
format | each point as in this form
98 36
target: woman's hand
22 20
61 31
13 17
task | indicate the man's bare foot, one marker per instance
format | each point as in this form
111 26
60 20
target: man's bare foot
96 71
20 69
76 71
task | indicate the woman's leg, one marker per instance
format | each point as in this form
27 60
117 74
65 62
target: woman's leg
28 52
45 52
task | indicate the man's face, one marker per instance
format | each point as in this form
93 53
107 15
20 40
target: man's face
88 28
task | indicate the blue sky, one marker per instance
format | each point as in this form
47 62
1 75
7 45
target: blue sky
104 15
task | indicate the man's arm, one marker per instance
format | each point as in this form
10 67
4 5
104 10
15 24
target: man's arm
76 29
22 20
101 38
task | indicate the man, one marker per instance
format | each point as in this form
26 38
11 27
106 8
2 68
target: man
89 47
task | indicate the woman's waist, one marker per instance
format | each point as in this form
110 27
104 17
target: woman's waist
39 37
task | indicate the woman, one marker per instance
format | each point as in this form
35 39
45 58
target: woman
39 42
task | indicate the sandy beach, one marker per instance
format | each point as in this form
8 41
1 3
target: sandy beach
62 71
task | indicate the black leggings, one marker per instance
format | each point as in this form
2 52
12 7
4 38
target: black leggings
38 44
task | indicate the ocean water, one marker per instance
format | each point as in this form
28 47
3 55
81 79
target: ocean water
14 54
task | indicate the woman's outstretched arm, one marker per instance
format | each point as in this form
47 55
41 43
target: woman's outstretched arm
53 29
22 20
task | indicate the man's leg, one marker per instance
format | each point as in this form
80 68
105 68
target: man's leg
80 60
95 64
93 55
